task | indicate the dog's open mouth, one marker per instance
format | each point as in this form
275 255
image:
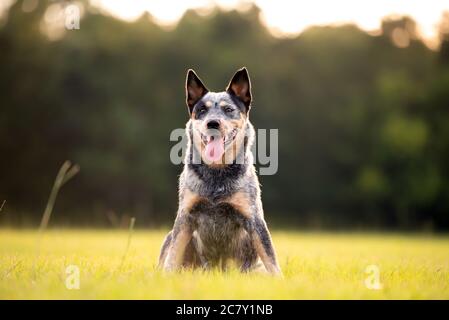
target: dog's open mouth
215 145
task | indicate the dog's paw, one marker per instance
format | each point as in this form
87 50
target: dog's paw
279 274
276 271
169 267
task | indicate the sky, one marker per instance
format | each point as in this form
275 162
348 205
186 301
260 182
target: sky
288 17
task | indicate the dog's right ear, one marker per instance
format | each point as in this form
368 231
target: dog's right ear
195 89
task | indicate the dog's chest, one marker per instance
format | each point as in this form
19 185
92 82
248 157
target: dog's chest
219 228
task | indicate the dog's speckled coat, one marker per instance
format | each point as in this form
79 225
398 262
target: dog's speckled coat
220 216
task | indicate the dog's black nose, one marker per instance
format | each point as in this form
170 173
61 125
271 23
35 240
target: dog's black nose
213 124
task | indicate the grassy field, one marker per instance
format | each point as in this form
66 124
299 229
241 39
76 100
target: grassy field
315 265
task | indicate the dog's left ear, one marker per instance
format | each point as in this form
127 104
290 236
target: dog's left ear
195 89
240 86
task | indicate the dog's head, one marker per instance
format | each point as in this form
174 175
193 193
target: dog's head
219 119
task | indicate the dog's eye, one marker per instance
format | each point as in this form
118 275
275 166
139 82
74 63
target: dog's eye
228 109
202 110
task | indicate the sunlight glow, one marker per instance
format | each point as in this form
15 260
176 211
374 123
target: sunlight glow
285 17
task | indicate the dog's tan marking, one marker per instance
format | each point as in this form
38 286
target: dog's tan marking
189 199
162 259
240 201
194 88
208 104
196 135
241 88
223 103
232 151
271 267
175 254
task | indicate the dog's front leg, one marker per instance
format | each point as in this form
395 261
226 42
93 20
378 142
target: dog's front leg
181 235
261 239
164 249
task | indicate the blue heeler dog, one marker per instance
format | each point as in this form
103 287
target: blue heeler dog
220 217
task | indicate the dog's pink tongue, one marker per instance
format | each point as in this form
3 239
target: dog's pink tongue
214 148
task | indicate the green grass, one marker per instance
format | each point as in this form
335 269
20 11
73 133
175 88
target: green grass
315 265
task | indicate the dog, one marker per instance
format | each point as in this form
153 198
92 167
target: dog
220 219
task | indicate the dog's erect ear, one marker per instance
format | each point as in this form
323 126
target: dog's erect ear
195 89
240 86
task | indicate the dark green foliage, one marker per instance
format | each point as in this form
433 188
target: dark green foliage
363 124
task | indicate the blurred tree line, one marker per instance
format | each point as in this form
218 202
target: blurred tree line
363 119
